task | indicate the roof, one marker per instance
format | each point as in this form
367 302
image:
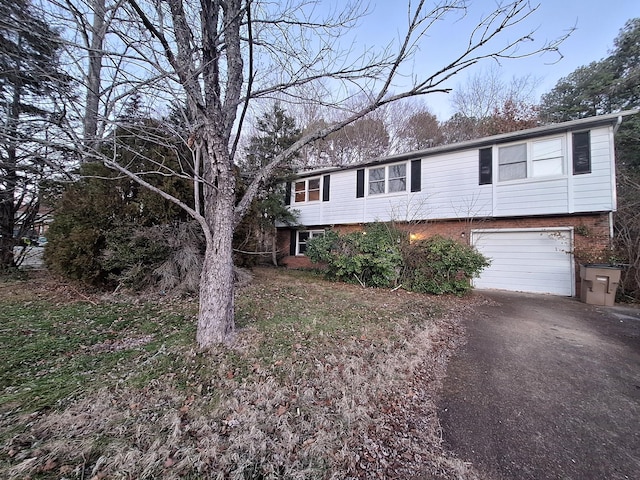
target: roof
580 124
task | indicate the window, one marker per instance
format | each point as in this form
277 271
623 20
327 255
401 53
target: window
512 162
392 178
546 158
398 178
543 158
581 153
376 181
303 237
307 190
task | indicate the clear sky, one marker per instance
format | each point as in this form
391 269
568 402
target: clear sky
596 22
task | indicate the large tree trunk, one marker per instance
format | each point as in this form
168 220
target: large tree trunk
6 231
216 316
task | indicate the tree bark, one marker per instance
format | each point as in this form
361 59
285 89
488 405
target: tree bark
10 180
94 74
217 288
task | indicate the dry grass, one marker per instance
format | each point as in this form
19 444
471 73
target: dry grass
325 381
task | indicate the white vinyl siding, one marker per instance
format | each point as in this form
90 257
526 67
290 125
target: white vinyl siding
596 191
527 260
450 190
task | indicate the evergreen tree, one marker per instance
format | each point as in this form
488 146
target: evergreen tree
110 230
608 86
276 131
30 77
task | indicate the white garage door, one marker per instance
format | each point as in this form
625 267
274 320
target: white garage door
526 260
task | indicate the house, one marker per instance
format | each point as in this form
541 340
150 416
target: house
536 202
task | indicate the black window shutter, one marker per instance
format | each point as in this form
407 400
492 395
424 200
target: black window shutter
292 243
325 188
581 153
486 166
287 193
416 175
360 183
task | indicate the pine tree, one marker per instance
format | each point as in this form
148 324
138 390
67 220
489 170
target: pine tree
30 74
276 131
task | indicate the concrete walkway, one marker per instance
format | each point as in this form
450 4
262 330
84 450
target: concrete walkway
546 388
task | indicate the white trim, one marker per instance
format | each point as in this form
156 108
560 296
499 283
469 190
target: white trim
385 168
306 190
524 229
311 235
529 161
571 207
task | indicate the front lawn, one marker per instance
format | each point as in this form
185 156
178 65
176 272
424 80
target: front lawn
324 380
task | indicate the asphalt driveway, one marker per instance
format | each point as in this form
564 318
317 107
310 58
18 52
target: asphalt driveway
546 388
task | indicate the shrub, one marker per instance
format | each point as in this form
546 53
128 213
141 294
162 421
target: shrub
441 265
371 257
108 231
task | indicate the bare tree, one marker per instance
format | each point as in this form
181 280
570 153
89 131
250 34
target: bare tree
364 139
487 91
412 126
220 56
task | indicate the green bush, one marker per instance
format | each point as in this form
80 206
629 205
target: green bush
441 265
381 256
371 257
109 231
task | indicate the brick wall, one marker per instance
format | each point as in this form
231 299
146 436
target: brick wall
591 234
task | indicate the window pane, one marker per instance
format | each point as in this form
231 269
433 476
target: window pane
300 195
512 162
314 184
376 181
550 166
547 158
397 171
376 187
546 149
398 178
513 171
303 236
376 174
398 185
314 195
513 154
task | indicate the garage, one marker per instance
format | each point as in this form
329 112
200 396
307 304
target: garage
526 260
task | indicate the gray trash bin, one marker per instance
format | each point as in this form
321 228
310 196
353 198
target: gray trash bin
599 283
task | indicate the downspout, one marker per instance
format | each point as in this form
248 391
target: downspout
617 125
611 230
